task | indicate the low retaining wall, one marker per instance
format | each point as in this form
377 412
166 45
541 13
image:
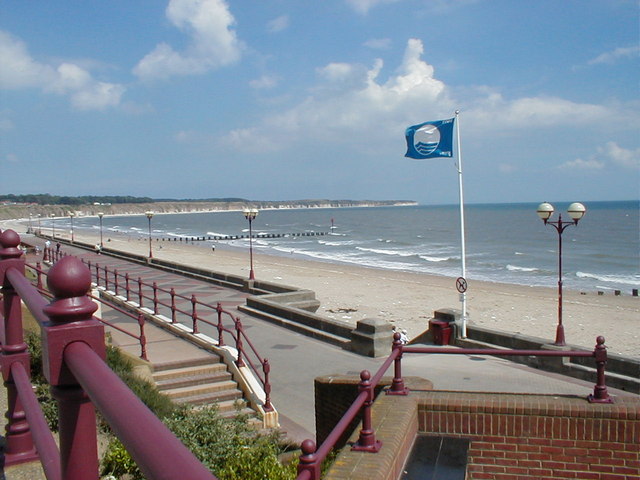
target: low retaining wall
512 436
621 372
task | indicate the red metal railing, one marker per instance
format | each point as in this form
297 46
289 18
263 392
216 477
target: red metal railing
140 337
311 458
167 302
73 364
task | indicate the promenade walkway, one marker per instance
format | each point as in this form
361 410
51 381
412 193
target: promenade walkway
296 359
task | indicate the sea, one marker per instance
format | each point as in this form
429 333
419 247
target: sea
505 243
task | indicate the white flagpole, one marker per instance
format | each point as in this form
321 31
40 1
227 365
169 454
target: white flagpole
463 295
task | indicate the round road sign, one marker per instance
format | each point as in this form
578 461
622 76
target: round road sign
461 284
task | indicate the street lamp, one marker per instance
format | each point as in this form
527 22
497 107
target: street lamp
30 227
250 214
71 215
100 215
576 212
149 216
53 225
39 225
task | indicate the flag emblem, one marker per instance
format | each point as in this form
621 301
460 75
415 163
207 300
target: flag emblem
430 139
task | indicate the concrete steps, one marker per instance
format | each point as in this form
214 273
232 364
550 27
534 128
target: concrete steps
199 382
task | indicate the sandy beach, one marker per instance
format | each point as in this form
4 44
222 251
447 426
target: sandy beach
350 293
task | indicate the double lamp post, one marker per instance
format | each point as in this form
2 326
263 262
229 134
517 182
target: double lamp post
576 211
250 214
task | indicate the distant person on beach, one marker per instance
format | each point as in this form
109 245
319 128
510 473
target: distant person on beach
213 248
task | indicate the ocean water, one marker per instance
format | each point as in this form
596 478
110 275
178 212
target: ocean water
504 242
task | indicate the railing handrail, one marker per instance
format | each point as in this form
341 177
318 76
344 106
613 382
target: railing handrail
141 338
237 333
157 458
73 364
42 436
312 457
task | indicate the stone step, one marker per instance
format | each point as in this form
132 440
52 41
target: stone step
208 369
186 380
190 362
194 390
225 399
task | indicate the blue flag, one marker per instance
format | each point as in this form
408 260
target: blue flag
430 140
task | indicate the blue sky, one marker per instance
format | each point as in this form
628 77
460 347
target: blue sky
293 99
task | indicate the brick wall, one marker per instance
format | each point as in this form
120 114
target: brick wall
512 436
334 394
538 436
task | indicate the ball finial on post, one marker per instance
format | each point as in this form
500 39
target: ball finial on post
69 280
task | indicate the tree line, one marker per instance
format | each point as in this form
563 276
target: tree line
47 199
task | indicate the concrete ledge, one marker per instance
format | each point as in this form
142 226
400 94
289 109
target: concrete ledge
268 304
373 337
621 372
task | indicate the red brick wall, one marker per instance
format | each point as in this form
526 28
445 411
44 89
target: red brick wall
517 437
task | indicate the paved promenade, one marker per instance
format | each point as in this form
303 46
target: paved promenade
296 359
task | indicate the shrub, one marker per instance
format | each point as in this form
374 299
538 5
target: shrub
230 448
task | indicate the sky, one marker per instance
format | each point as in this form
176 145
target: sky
295 99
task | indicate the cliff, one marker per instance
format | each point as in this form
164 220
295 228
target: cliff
12 211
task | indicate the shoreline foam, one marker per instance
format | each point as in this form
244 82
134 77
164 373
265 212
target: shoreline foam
407 299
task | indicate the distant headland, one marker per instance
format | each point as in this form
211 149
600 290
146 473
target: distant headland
45 205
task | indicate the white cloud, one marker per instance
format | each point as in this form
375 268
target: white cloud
352 100
264 82
363 6
336 71
507 168
378 43
208 23
529 112
621 156
580 164
615 55
19 70
278 24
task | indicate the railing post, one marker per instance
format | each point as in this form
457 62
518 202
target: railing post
139 292
194 314
71 320
115 281
155 298
19 441
143 338
397 385
39 275
106 278
126 286
173 305
239 361
220 327
600 393
97 275
266 368
367 441
309 460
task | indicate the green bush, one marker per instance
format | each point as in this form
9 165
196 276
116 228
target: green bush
117 462
230 448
